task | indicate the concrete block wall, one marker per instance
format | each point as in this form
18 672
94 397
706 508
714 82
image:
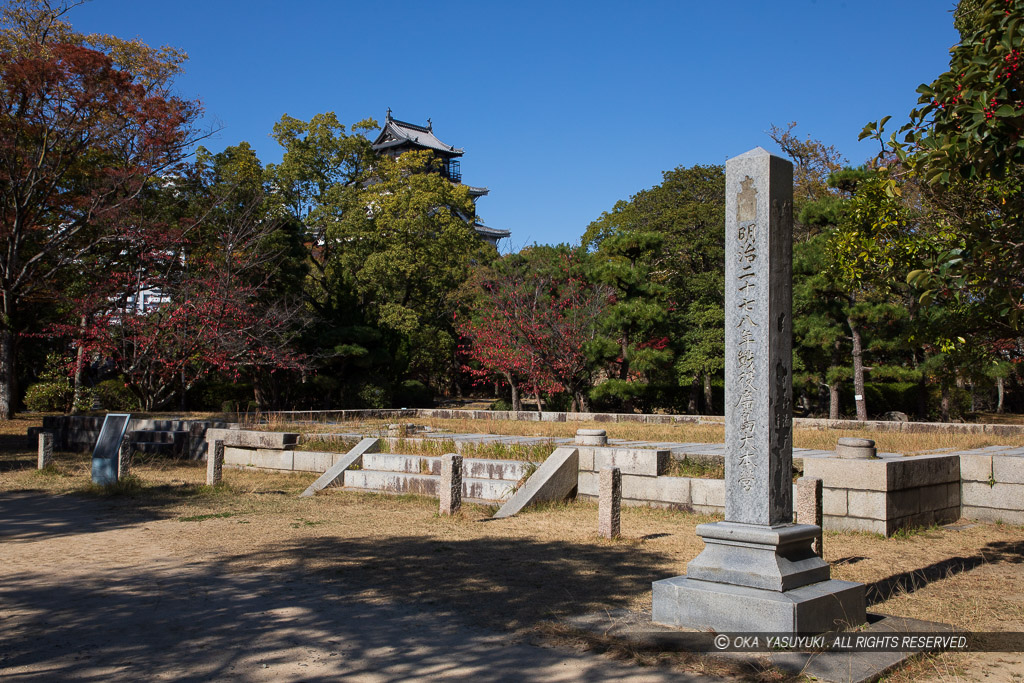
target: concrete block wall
887 494
992 484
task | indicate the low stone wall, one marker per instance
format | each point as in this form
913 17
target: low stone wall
643 480
992 484
76 433
883 495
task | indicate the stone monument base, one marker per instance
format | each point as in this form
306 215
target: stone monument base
814 608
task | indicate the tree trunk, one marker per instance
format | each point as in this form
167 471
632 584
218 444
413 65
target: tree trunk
858 371
76 398
833 401
922 399
7 374
1001 391
517 403
709 398
691 403
945 402
540 406
581 401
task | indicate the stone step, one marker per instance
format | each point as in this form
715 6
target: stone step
425 484
472 468
140 436
155 447
174 443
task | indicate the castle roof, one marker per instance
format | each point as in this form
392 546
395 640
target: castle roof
397 133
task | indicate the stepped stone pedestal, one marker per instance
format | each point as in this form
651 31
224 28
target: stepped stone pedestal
758 570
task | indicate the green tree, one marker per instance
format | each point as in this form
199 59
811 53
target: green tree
964 141
684 216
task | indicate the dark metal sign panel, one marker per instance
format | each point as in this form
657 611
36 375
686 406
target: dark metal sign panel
104 456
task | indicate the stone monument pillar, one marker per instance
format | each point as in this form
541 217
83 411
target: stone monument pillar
758 571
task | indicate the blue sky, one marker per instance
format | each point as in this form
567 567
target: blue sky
563 108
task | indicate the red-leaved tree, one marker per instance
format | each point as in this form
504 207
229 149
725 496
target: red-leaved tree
529 323
80 136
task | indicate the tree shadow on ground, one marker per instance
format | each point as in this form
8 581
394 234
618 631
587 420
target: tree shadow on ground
33 515
908 582
407 608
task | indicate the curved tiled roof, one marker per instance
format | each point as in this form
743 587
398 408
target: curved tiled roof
397 133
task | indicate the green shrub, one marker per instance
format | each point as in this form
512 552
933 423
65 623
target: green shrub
501 404
374 396
413 394
114 395
216 394
50 396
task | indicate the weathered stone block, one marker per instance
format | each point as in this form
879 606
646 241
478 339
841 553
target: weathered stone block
976 494
672 490
834 502
904 503
586 455
249 457
45 449
953 494
450 487
864 475
984 514
875 526
481 468
641 461
707 492
809 507
312 461
215 463
815 608
242 438
935 497
868 504
1008 470
975 467
922 470
609 502
589 484
124 458
1004 497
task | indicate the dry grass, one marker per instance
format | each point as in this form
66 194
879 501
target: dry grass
824 439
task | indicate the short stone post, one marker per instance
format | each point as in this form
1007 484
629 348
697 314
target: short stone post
808 507
45 449
849 448
609 502
124 458
451 483
215 463
591 437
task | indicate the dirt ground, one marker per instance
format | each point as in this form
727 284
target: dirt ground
169 579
